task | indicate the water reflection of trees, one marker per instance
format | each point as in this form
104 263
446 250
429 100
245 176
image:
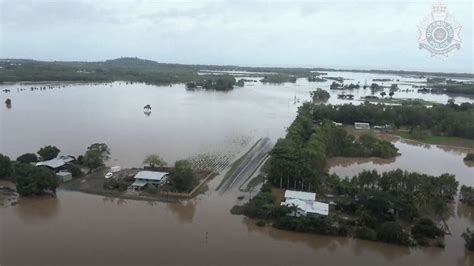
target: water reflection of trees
464 211
346 162
118 201
184 210
469 163
37 208
330 243
467 259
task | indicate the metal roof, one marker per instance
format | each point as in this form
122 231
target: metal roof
63 174
150 175
139 183
292 194
319 208
56 162
308 206
53 163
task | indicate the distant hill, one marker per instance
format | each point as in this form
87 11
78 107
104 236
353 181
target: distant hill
131 62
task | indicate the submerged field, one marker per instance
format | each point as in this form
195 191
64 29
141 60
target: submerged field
213 130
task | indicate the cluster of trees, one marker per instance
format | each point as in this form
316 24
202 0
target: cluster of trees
182 178
32 180
469 157
300 158
453 88
278 78
154 160
5 166
450 119
316 79
96 155
48 152
412 191
467 195
221 83
376 199
468 236
28 179
319 95
374 215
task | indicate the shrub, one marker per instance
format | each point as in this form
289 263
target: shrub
467 195
74 169
5 166
426 228
420 134
392 232
365 233
116 184
261 223
468 236
469 157
151 189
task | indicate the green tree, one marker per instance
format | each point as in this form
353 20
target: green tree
27 158
469 157
383 94
154 160
32 180
319 95
468 236
96 155
426 228
48 152
392 232
182 177
393 88
5 166
391 94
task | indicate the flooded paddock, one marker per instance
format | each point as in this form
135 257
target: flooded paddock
82 229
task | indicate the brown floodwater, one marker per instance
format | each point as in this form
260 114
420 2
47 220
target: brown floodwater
415 157
82 229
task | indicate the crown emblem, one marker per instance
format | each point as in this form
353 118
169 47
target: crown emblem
439 12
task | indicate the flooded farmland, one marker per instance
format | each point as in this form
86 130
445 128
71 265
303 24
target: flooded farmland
95 230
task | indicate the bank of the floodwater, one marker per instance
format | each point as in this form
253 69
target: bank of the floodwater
445 141
93 183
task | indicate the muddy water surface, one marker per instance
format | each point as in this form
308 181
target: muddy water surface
81 229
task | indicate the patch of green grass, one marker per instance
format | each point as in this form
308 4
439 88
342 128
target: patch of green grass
440 140
400 101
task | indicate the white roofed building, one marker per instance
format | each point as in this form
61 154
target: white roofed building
305 204
56 163
143 178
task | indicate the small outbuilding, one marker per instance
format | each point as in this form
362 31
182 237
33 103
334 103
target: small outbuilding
360 125
64 176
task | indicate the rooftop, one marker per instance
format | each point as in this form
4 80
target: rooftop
56 162
308 206
150 175
292 194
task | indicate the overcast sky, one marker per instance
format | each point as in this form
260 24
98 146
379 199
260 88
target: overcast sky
336 33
